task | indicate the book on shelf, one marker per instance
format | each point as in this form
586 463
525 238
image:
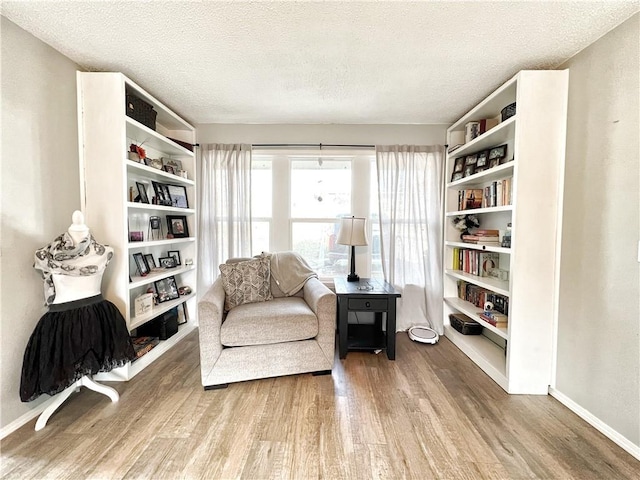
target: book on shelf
496 319
498 193
488 123
488 261
143 345
470 198
477 296
475 262
472 238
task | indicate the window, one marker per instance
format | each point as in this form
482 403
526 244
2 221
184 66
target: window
298 199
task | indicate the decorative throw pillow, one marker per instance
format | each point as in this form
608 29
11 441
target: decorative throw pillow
246 282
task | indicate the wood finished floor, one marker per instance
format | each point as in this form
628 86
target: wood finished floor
430 414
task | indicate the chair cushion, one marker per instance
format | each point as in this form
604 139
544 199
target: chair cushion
279 320
246 282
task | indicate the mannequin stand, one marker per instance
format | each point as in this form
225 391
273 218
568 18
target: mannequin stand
60 398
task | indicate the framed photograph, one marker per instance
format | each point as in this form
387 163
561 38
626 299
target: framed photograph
457 176
142 192
153 162
151 263
177 226
162 194
458 166
157 188
175 254
483 158
167 262
184 317
498 152
178 195
166 289
169 169
170 162
154 223
470 159
469 170
480 169
136 236
141 264
494 162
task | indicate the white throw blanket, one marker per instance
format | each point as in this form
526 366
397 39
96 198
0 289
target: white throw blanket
290 271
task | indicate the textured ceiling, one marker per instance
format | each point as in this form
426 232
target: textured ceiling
319 62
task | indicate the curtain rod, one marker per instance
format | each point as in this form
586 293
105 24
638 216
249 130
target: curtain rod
319 145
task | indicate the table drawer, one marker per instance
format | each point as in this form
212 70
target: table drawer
362 304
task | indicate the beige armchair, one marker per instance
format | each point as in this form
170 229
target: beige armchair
283 336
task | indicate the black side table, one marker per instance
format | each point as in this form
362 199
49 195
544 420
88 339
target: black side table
367 295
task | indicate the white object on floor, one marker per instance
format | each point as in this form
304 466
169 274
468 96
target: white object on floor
423 334
85 381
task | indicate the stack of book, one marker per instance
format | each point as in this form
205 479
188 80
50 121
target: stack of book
483 237
497 319
143 345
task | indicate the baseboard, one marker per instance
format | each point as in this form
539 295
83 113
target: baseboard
598 424
25 418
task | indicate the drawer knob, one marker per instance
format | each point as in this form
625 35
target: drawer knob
368 305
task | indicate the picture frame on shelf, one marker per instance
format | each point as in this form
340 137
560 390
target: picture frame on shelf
151 262
177 226
167 262
157 189
141 264
184 316
178 195
162 194
136 236
142 192
175 254
166 289
470 162
498 152
483 159
155 228
169 169
458 168
175 164
153 163
457 176
494 162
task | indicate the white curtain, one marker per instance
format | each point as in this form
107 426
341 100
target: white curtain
224 213
410 182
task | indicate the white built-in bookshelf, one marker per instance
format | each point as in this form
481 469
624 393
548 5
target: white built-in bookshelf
109 187
519 356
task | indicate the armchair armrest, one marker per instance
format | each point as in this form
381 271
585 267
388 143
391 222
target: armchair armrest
322 302
210 317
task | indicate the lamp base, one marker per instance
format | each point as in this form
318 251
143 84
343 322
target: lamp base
352 277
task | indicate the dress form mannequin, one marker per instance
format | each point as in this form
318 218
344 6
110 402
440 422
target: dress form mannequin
82 333
69 288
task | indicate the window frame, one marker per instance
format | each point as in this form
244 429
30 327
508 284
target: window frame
281 222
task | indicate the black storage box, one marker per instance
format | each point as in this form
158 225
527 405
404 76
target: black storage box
141 111
464 324
163 326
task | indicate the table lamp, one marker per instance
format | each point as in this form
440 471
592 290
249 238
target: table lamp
352 232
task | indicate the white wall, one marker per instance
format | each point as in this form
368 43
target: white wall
40 190
598 359
327 134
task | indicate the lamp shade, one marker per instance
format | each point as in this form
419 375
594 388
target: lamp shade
352 231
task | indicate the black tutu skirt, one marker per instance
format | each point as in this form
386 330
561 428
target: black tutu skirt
72 340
